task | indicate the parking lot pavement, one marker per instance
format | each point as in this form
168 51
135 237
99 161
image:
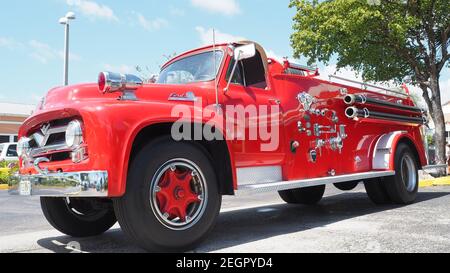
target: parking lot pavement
342 222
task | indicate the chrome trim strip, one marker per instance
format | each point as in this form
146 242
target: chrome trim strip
188 96
49 149
369 85
303 183
76 184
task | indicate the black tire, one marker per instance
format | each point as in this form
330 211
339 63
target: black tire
79 217
138 212
347 186
376 191
305 196
402 188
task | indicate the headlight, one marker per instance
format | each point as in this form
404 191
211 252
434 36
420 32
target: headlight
23 145
74 134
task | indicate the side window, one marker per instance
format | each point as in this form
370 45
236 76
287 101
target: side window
249 72
12 151
254 72
238 76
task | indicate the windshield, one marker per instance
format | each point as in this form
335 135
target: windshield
196 68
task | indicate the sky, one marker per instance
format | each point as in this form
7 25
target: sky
119 35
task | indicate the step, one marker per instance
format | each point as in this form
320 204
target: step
303 183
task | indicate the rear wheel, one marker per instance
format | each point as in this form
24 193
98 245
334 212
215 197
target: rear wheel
347 186
79 217
402 188
376 191
172 198
305 196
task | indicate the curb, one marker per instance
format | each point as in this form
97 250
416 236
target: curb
443 181
3 187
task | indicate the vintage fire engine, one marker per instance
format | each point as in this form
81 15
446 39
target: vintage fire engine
98 153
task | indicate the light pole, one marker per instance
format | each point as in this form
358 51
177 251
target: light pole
65 21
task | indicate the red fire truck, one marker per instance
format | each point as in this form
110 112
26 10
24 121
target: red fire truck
222 119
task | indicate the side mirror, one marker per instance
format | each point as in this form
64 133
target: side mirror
241 53
244 52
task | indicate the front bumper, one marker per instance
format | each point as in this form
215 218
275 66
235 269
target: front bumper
73 184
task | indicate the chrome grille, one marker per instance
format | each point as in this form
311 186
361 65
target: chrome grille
49 139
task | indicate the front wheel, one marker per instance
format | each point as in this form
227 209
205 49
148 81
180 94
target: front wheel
172 198
79 217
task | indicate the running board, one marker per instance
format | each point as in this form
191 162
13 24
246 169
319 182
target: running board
303 183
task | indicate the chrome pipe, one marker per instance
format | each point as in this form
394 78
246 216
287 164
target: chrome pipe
350 99
353 112
362 99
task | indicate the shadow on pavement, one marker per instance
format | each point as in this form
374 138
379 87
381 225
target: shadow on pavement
248 225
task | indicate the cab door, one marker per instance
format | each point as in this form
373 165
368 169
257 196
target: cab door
258 137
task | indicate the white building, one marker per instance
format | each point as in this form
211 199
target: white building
12 115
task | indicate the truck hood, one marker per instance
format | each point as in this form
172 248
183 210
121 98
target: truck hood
61 97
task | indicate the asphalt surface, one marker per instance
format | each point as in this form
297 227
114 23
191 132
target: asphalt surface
342 222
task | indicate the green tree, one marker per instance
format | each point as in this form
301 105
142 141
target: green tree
383 39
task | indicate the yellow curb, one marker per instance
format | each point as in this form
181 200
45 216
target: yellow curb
426 183
442 181
3 186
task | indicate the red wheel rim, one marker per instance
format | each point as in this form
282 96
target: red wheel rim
178 194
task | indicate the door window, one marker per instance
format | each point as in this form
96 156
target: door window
249 72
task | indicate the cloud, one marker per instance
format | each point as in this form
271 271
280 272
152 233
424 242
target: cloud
271 54
44 53
93 9
226 7
206 36
151 25
41 52
9 43
343 72
176 11
124 69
